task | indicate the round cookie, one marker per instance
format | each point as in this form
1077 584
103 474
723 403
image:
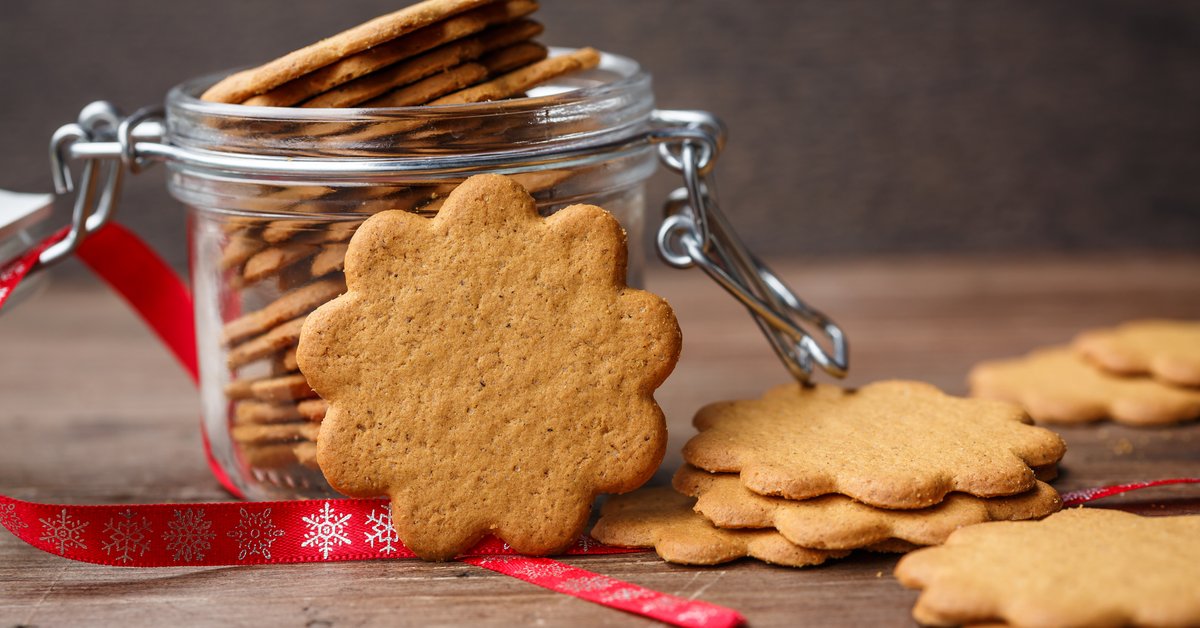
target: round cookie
837 522
663 519
1165 349
1055 385
486 364
1079 567
242 85
892 444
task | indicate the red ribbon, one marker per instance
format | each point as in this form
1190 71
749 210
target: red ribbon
246 533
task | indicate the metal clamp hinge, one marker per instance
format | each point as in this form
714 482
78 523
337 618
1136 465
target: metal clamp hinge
695 232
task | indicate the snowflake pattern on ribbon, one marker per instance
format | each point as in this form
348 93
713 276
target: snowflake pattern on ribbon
382 531
587 583
540 569
326 530
254 533
10 519
127 536
189 535
64 531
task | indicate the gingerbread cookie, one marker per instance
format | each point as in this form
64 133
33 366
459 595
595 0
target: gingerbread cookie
238 87
516 82
1080 567
837 522
436 61
489 351
663 519
425 90
1167 350
270 261
299 301
1056 385
268 344
252 411
282 389
892 444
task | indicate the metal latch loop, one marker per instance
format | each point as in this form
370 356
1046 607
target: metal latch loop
695 232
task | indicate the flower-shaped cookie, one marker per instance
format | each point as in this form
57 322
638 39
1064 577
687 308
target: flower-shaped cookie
1079 567
489 370
893 444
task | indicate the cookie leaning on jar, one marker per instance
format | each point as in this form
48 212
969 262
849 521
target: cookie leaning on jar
282 267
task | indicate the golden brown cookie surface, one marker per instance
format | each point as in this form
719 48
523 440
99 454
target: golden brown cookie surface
1055 385
838 522
1079 567
487 364
663 519
1165 349
238 87
892 444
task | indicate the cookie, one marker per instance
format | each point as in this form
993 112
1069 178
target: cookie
513 57
299 301
1167 350
1056 385
242 245
266 345
240 388
270 261
259 412
516 82
282 389
438 60
312 409
1079 567
264 433
891 444
238 87
425 90
269 456
489 351
837 522
660 518
409 50
288 360
306 454
331 258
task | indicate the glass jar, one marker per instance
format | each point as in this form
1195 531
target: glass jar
267 248
274 194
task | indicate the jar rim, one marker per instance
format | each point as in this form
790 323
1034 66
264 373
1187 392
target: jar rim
613 74
611 102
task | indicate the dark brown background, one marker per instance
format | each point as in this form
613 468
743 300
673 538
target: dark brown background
857 127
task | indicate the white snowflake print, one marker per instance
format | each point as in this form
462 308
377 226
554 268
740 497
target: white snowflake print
588 584
64 530
625 594
127 536
586 542
254 533
382 530
189 535
9 518
326 529
697 615
538 569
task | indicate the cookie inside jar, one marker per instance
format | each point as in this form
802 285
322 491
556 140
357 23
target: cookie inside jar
277 177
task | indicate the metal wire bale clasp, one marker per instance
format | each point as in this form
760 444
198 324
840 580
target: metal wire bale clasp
100 125
695 232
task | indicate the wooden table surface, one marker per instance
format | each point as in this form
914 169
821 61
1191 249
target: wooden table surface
95 411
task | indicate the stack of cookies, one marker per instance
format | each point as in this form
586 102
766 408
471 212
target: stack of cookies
1142 373
278 266
809 473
